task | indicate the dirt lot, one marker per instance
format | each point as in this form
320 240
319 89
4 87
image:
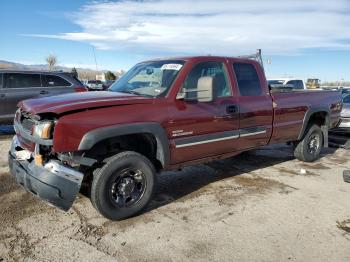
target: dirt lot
254 207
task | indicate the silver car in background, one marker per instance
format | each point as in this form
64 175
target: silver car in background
345 114
16 86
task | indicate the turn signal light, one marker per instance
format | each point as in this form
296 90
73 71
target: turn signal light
43 130
38 160
46 132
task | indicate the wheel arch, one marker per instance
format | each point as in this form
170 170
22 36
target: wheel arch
317 115
95 136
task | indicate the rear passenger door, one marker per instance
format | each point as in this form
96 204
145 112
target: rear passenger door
255 105
17 87
55 84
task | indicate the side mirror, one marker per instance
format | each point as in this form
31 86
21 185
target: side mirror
204 90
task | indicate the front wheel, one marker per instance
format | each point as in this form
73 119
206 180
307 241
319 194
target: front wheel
309 148
123 186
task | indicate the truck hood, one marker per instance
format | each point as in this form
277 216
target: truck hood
79 101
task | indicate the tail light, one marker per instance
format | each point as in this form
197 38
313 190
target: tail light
80 89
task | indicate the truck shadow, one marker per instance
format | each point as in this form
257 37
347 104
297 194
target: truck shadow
189 182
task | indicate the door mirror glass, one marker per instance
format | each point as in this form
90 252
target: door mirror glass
205 89
203 92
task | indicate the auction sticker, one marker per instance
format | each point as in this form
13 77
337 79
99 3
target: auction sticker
176 67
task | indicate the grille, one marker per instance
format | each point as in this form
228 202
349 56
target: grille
28 124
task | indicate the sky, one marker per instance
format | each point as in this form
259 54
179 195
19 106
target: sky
300 38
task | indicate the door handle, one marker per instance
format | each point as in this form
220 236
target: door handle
43 92
231 109
2 95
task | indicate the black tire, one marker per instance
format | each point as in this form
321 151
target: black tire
107 195
309 148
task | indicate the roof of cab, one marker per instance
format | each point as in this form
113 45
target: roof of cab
188 58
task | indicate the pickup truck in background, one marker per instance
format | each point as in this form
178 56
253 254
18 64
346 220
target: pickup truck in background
161 115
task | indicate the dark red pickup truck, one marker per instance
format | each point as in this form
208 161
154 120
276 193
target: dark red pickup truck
162 114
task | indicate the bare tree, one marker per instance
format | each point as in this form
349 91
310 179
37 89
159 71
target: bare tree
51 61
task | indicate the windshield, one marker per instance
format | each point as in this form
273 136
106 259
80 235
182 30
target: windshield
346 99
94 82
149 79
345 92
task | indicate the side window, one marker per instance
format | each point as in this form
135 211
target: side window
297 84
17 80
52 81
346 99
1 81
247 79
217 70
291 82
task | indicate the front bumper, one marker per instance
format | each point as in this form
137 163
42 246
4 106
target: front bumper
346 176
344 123
53 182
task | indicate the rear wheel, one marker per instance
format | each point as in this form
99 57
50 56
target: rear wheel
309 148
123 186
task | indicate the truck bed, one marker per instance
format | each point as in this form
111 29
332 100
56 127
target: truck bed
291 107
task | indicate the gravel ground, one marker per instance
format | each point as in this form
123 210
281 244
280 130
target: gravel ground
254 207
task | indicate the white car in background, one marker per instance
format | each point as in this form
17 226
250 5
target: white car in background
295 82
95 85
345 113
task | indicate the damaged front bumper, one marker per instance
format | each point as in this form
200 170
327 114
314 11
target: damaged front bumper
53 182
346 176
344 124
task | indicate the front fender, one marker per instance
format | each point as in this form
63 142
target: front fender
163 153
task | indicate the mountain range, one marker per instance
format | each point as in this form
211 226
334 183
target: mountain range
40 67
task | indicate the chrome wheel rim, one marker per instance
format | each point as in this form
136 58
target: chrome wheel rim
127 188
314 143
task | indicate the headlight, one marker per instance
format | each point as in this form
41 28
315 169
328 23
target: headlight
345 112
43 130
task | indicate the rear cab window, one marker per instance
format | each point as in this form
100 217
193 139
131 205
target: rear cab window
20 80
247 79
54 81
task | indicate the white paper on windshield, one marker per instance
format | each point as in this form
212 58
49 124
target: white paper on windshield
176 67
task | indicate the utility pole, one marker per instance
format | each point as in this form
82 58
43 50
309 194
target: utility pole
93 50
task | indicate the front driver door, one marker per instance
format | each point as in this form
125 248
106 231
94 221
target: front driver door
204 129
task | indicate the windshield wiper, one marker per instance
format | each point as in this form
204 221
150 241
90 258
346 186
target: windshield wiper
129 91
